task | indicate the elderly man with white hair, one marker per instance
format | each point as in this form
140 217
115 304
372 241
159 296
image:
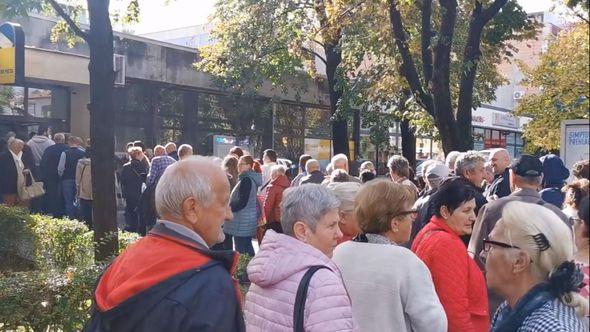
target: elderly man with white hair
340 162
314 174
170 280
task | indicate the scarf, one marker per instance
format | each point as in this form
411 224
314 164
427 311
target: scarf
511 320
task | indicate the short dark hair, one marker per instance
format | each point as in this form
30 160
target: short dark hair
43 128
452 193
237 151
271 154
303 160
139 144
367 176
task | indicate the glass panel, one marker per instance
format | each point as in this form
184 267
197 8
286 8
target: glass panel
124 134
495 134
138 98
510 138
317 123
169 135
478 134
12 100
43 103
171 102
519 139
215 108
511 150
488 134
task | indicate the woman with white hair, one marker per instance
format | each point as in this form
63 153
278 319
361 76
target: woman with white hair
529 262
346 194
15 174
285 262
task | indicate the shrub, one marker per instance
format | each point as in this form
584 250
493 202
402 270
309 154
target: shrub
48 276
17 243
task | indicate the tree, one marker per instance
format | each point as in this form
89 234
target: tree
441 76
99 36
274 40
562 80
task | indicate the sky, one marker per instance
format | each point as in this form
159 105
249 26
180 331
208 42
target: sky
156 15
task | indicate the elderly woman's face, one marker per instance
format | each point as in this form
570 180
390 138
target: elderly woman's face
498 261
326 235
16 148
462 218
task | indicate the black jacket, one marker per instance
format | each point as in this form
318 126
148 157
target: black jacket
315 177
500 187
8 175
49 162
132 177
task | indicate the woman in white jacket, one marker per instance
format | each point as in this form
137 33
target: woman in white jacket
390 288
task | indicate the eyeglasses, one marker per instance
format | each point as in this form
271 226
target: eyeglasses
487 245
413 212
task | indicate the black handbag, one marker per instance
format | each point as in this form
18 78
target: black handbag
299 308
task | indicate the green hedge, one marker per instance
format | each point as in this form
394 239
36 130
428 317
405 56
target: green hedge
48 274
47 271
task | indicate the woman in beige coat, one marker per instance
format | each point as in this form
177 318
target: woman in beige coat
84 188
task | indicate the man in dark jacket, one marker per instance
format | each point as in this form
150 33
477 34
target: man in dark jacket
54 203
170 280
66 168
500 160
133 176
171 150
314 175
555 174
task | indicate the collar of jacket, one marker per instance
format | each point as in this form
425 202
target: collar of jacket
526 192
228 258
442 224
469 183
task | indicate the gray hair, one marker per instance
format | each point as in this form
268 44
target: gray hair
338 159
185 150
307 204
367 165
451 158
182 180
278 169
466 162
312 165
59 138
399 165
346 193
14 142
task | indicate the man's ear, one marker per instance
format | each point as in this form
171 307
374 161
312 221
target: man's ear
300 230
190 210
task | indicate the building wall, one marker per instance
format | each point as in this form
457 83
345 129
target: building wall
80 116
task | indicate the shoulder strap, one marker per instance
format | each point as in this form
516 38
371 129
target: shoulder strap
299 308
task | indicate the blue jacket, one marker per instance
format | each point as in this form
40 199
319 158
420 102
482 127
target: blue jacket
168 282
554 175
244 205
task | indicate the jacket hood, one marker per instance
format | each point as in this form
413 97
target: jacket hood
40 139
281 256
84 161
281 181
554 172
256 177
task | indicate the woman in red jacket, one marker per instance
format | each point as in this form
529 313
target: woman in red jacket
458 281
274 195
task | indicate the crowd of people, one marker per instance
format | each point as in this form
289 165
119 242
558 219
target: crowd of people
470 243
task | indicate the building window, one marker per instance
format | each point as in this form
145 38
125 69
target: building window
289 131
12 100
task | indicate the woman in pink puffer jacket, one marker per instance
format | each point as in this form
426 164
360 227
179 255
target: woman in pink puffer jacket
309 216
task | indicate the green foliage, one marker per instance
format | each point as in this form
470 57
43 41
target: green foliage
560 88
55 257
17 243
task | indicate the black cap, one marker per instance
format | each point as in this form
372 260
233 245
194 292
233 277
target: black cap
527 165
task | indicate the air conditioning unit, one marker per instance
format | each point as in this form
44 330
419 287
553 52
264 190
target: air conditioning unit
119 62
517 95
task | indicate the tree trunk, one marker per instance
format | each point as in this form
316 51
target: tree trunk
102 130
408 143
339 125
